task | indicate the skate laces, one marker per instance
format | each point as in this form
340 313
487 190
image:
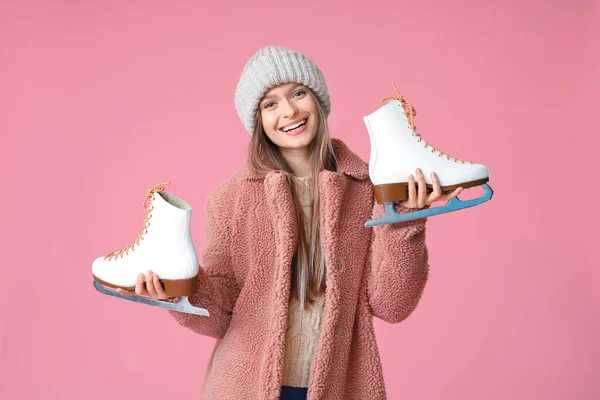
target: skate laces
148 206
411 112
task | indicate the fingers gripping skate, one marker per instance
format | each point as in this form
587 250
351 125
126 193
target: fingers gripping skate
455 204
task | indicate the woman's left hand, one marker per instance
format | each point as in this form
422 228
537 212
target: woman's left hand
419 198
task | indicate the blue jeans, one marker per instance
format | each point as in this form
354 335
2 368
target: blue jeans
293 393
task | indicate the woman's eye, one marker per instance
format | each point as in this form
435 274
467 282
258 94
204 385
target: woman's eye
268 105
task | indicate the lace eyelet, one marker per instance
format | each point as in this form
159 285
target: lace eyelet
148 206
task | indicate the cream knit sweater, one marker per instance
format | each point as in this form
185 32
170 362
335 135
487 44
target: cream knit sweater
304 326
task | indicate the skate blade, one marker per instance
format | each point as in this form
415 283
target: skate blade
183 305
391 216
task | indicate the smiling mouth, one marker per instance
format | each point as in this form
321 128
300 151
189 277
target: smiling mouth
295 127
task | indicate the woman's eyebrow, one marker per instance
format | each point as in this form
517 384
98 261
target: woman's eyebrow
270 96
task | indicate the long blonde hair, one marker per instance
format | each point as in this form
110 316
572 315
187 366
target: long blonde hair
309 270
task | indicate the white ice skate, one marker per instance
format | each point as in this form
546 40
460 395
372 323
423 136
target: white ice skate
164 246
397 150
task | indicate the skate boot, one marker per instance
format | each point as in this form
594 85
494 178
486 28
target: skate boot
397 150
164 246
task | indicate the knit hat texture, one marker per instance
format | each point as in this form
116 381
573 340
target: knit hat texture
272 66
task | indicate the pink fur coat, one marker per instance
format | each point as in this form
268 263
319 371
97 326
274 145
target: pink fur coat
244 282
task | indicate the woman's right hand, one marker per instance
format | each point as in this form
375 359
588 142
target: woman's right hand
153 287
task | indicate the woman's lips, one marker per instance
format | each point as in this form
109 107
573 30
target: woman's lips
297 131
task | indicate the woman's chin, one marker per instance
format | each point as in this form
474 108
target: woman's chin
298 141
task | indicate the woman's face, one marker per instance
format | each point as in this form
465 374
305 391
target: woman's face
284 106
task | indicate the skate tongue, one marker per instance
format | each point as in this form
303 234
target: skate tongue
154 189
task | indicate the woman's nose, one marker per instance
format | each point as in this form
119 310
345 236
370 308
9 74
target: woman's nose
289 108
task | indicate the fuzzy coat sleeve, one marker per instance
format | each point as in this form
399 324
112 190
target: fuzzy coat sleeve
399 266
217 286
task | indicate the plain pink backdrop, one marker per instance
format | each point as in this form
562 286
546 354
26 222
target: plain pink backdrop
99 100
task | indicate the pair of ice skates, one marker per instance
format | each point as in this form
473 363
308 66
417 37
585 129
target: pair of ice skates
397 150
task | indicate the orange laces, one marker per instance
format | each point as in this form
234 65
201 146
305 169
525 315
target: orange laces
148 206
411 112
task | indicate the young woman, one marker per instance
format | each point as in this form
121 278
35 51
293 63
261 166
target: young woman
291 277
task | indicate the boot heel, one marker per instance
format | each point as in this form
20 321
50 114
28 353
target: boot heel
391 192
182 287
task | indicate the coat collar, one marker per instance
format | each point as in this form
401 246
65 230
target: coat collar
349 163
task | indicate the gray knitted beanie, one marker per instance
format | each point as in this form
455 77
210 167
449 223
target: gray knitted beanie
272 66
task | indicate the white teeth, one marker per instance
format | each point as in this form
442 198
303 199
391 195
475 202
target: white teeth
289 128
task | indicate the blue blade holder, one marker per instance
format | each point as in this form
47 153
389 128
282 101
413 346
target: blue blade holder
455 204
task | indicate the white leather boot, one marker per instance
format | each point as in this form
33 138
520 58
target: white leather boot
397 150
164 246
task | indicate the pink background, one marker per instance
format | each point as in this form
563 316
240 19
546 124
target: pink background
103 99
